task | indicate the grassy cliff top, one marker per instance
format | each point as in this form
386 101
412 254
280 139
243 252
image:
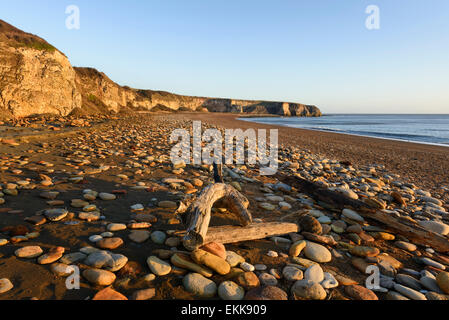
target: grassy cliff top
18 38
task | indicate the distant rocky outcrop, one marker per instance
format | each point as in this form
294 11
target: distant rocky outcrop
36 78
100 91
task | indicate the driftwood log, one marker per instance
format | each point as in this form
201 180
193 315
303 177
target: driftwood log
253 231
223 195
408 229
199 213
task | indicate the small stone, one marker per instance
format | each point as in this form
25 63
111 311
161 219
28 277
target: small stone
56 214
199 285
131 269
139 225
351 214
89 216
107 196
435 226
19 230
53 255
432 263
355 228
62 269
50 195
5 285
393 295
314 273
275 273
329 281
78 203
107 234
109 294
36 220
296 248
310 224
409 293
317 252
247 266
362 251
95 238
114 227
104 259
139 236
158 266
430 284
173 242
360 264
233 258
394 262
324 220
158 237
272 254
212 261
167 204
436 296
266 293
443 281
248 280
72 258
284 206
89 250
406 246
303 262
267 206
360 293
344 281
184 261
149 277
137 207
144 294
292 273
306 289
99 277
90 208
267 279
109 243
215 248
229 290
408 281
29 252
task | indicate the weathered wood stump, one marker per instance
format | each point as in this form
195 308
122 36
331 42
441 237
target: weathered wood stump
199 212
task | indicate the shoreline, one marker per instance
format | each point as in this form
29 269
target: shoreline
357 135
423 164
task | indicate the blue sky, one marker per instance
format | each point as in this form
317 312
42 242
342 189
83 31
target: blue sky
314 52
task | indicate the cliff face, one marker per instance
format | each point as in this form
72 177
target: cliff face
36 78
96 86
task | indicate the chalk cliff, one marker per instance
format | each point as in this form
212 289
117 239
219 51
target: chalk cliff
36 78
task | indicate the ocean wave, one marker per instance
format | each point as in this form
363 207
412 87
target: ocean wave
411 129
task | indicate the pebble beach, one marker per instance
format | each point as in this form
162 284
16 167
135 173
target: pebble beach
101 195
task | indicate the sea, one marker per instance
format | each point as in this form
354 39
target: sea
421 128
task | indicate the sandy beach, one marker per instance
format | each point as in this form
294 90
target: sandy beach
93 177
